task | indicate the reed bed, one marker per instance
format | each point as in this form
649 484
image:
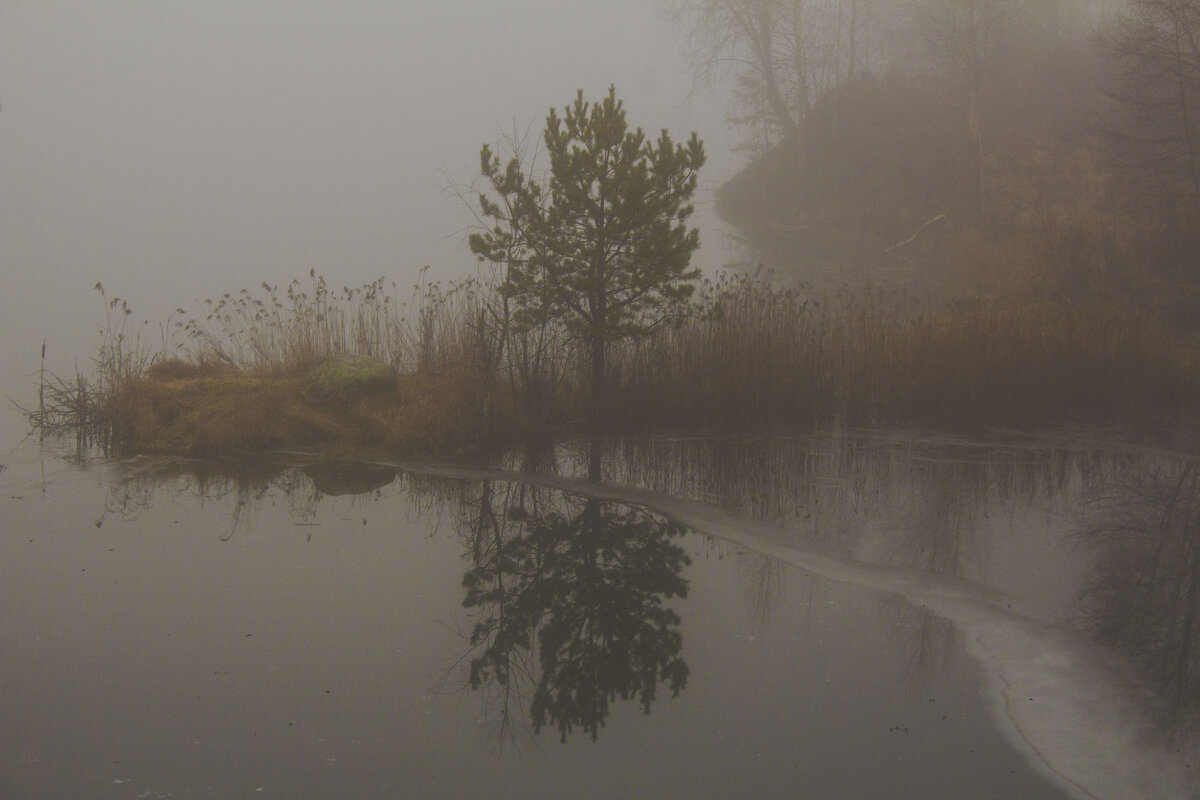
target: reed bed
90 407
751 354
770 355
278 331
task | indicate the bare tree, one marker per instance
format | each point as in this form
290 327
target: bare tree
783 55
1156 47
1072 17
963 38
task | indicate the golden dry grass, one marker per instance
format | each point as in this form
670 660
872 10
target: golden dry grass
773 358
752 355
234 412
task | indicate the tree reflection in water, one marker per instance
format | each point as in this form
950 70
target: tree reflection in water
1144 595
569 598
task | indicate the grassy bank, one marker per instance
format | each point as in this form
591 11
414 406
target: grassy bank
238 412
239 377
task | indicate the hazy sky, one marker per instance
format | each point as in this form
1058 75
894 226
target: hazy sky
178 149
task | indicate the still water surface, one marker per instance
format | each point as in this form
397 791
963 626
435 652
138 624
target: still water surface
290 629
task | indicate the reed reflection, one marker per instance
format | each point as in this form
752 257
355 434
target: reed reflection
912 501
1143 597
570 606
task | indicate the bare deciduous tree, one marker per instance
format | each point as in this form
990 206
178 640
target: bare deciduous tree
783 55
963 39
1156 46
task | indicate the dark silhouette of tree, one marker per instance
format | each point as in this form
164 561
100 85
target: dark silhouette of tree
1156 48
784 55
963 37
1144 596
529 342
571 610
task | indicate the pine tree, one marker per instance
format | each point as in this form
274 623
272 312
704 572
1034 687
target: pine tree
602 245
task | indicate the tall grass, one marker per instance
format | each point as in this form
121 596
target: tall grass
752 354
438 330
90 405
771 355
275 331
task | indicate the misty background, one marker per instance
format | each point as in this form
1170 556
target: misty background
175 151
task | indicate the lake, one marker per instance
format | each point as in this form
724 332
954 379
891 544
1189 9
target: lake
877 614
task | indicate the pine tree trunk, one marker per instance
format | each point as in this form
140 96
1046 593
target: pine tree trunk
599 389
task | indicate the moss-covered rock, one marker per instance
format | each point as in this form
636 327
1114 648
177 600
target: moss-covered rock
352 376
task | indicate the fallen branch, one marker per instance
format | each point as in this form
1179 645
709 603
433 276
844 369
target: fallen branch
916 233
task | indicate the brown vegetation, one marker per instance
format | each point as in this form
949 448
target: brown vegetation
774 358
241 378
752 355
222 412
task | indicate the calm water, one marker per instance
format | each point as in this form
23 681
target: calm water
300 630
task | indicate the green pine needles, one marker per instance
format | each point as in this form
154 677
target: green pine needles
600 245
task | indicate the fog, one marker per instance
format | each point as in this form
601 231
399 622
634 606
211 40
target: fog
175 151
978 318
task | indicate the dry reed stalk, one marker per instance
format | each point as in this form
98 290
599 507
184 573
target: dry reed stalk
752 355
